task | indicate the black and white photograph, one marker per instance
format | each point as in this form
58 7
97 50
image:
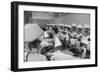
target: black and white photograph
53 36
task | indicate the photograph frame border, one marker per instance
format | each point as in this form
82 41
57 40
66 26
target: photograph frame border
14 35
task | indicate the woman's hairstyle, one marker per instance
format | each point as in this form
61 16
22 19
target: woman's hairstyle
88 39
50 35
55 29
44 29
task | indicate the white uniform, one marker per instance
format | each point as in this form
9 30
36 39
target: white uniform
57 42
46 34
44 43
73 41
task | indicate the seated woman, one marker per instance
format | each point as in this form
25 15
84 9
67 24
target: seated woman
34 54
